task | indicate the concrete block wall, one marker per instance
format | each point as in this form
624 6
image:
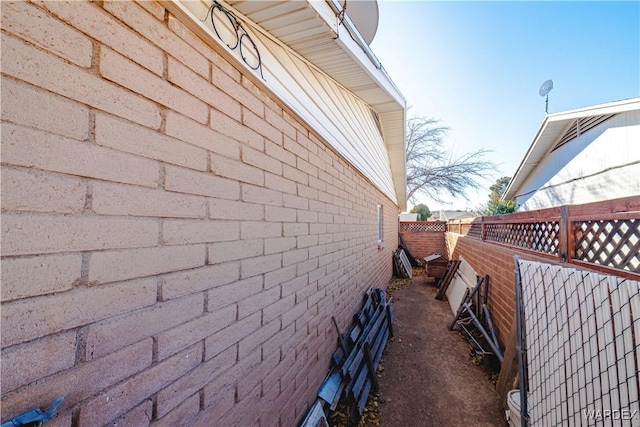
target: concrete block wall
174 242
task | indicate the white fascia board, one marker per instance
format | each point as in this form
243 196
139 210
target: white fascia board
377 74
326 13
357 48
526 165
596 110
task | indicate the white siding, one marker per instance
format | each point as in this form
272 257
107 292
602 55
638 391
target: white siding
339 117
602 164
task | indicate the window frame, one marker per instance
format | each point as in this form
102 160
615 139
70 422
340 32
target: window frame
380 224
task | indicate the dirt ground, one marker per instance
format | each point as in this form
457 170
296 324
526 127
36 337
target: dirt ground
428 376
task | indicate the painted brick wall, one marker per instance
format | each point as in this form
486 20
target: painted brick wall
174 243
421 243
485 258
496 261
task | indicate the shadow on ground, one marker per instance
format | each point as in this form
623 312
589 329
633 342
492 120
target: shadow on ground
428 376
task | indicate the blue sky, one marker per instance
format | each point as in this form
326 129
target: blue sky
477 66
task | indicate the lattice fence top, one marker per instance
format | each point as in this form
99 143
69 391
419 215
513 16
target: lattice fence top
536 236
602 236
475 230
428 227
612 243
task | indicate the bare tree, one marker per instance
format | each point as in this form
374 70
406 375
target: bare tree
433 171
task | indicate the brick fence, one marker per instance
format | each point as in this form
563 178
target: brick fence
174 242
424 237
497 262
600 236
484 257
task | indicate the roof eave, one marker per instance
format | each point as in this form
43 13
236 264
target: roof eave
337 49
545 137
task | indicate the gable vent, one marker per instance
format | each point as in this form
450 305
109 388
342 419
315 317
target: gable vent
581 126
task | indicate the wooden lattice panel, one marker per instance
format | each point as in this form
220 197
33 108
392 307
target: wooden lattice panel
536 236
612 243
475 230
428 227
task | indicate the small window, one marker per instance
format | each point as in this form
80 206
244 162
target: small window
380 229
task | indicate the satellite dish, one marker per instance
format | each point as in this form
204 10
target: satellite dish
364 15
545 88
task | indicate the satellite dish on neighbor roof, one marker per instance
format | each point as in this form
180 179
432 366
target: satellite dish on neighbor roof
364 15
545 88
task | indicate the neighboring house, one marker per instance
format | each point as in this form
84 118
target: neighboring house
408 217
186 207
581 156
449 215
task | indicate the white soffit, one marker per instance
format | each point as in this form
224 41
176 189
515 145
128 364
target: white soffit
312 30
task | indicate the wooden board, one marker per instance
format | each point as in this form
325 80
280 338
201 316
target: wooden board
463 281
405 263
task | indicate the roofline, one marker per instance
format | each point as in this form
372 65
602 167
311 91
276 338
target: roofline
381 93
353 31
615 107
507 192
621 106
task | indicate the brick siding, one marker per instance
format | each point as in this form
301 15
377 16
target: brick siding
174 242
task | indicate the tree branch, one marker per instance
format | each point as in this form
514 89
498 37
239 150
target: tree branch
431 170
